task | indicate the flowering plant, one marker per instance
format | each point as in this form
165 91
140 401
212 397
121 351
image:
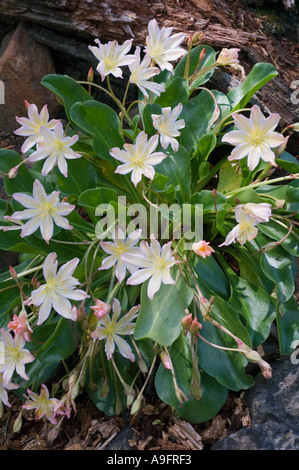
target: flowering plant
156 242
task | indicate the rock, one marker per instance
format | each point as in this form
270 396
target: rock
274 409
23 64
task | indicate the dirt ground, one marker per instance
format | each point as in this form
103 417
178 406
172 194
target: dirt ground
155 427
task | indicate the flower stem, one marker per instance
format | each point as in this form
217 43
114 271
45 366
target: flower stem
261 183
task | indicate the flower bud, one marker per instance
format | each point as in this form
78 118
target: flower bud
142 364
186 321
196 388
90 75
295 126
13 273
101 308
12 173
195 327
136 406
202 54
18 423
166 360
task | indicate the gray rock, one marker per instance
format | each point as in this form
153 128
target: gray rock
274 409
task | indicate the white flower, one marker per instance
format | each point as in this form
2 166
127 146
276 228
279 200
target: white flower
112 56
162 47
112 328
15 357
42 211
260 212
155 263
116 249
42 403
141 73
229 57
56 148
59 287
168 126
255 137
244 231
31 127
139 157
3 392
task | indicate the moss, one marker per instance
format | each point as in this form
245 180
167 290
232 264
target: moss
276 20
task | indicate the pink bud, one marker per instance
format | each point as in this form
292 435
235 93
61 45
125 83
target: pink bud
12 173
101 308
13 273
166 360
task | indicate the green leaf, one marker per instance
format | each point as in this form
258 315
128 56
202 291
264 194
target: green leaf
81 176
260 74
177 169
23 182
102 122
289 193
288 325
62 343
205 146
254 305
198 114
176 92
196 67
91 198
276 232
147 119
228 367
205 198
195 411
288 162
229 178
213 280
67 89
277 266
159 319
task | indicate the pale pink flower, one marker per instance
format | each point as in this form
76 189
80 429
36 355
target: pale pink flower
112 56
101 308
141 73
42 211
244 231
15 356
31 126
20 326
154 262
228 57
59 288
56 148
112 328
255 138
260 212
43 405
168 125
163 47
4 394
202 248
139 158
